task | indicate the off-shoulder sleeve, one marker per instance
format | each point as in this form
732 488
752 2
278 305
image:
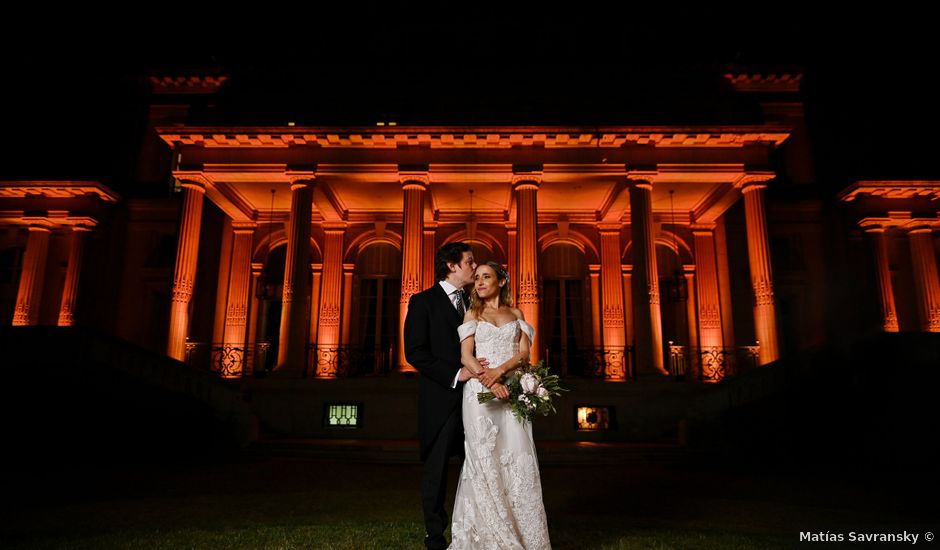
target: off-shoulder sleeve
527 329
467 329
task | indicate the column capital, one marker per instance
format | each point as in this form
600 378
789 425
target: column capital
875 225
38 223
414 180
244 227
702 228
642 178
919 229
526 180
192 179
754 180
333 228
609 227
300 178
80 223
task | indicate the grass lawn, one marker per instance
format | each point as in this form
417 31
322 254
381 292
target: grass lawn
287 504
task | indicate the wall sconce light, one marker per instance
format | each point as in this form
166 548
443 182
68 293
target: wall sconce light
592 418
343 415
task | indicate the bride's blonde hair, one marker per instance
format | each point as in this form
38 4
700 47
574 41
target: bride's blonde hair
505 293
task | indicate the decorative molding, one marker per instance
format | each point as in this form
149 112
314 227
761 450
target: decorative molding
709 317
329 315
754 180
891 322
409 287
473 138
613 316
785 82
892 190
187 84
415 180
182 291
527 180
652 290
528 291
57 190
763 293
193 179
898 220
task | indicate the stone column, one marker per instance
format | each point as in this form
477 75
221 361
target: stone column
413 186
628 303
926 281
346 316
724 284
72 275
184 274
222 289
33 274
254 317
596 309
709 303
691 313
427 257
526 187
692 319
758 252
889 314
612 296
316 274
513 267
293 337
239 287
331 296
649 327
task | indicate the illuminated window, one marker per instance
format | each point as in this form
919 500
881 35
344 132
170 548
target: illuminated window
343 415
594 418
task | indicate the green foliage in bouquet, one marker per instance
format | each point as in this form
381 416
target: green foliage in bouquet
531 389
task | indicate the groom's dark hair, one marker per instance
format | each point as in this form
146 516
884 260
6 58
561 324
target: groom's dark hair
450 253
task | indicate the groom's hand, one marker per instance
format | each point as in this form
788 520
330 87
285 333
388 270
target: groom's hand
465 374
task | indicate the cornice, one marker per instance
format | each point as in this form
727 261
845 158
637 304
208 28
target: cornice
765 82
892 189
186 84
57 190
472 138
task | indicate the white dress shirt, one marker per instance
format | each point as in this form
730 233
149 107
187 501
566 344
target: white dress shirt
451 291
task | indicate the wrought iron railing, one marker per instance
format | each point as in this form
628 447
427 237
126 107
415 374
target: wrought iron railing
349 361
711 364
613 362
229 360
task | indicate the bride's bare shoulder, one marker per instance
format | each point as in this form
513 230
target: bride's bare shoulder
517 313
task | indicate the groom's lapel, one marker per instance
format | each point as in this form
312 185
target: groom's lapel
444 301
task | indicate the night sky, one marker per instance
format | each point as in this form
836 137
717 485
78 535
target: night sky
74 98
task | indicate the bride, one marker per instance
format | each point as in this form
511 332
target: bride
499 494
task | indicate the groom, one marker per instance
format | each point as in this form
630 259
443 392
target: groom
433 347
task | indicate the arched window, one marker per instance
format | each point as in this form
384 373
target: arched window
673 297
566 307
270 292
376 303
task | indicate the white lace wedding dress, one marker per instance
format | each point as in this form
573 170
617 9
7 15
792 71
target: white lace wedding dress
499 495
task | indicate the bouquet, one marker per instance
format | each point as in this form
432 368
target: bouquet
531 389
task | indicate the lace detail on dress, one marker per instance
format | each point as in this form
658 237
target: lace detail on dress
499 496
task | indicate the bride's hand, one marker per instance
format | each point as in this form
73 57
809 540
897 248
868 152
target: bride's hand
490 377
500 391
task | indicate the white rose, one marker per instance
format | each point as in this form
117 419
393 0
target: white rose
529 383
523 398
541 392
